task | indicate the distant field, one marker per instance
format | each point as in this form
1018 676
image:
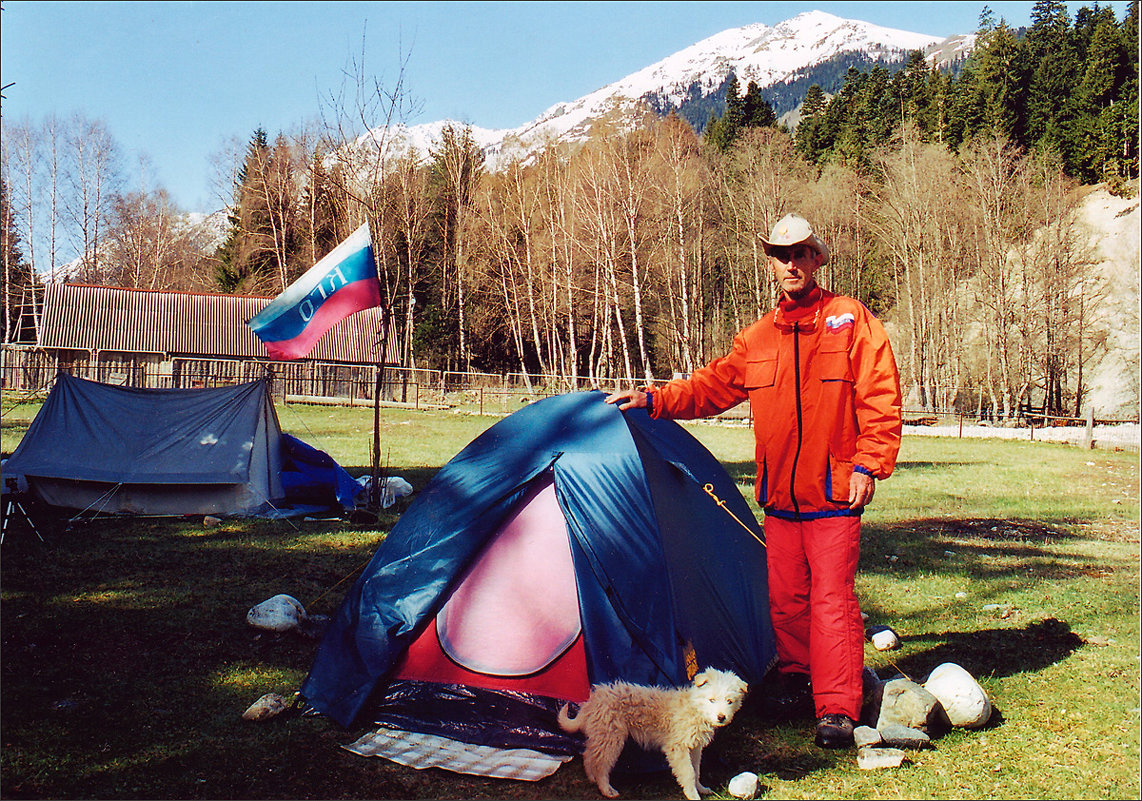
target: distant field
127 661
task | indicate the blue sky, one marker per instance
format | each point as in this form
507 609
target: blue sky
175 80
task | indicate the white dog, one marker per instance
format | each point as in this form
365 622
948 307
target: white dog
680 722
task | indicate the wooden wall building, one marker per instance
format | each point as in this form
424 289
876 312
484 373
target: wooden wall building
148 338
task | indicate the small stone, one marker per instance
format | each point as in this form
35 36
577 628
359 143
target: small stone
897 736
265 707
1001 610
884 639
744 785
961 594
876 758
865 736
210 521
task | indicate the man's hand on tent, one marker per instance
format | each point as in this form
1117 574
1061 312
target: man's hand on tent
628 399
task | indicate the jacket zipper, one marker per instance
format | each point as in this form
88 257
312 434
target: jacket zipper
797 455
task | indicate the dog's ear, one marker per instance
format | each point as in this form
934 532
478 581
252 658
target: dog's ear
702 679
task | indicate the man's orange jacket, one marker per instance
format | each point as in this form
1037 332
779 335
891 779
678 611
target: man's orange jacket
825 396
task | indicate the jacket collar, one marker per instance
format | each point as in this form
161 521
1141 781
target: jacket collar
804 313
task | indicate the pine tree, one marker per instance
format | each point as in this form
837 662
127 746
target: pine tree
814 102
992 87
1127 123
809 136
1050 47
720 133
735 104
246 256
1097 116
756 111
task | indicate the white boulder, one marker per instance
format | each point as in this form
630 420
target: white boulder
961 696
885 640
744 785
280 613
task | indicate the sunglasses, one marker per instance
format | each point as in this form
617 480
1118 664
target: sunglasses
789 253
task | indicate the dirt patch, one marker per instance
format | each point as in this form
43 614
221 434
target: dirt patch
994 529
1008 530
1108 531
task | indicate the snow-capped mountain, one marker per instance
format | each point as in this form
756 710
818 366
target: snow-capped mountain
767 55
770 56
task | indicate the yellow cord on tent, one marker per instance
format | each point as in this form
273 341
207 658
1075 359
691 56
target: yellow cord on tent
352 573
709 488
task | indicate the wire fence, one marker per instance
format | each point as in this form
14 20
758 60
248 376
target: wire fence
341 384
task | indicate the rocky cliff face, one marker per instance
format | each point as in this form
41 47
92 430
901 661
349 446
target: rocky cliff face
1112 224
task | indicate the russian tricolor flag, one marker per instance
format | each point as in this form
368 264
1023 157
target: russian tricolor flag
341 284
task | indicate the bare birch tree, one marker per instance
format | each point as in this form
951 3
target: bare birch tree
991 181
915 222
94 177
680 183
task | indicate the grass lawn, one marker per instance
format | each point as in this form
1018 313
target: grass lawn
126 661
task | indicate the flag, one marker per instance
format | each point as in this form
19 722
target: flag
341 284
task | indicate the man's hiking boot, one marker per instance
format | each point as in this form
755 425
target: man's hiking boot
835 731
788 696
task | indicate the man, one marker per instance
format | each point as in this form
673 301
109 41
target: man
824 391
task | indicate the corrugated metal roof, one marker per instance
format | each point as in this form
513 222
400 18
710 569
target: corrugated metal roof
78 316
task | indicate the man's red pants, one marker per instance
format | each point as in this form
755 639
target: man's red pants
816 615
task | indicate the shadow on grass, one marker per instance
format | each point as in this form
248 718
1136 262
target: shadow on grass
980 548
991 652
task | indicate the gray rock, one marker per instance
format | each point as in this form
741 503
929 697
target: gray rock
906 703
865 736
875 758
897 736
873 692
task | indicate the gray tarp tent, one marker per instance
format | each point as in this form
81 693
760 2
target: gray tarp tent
121 449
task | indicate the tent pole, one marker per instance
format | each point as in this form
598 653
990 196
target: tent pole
375 485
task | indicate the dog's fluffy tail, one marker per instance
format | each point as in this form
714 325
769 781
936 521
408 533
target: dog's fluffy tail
568 723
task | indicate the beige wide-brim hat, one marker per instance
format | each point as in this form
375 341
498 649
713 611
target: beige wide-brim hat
793 230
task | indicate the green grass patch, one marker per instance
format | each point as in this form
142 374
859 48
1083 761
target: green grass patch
127 661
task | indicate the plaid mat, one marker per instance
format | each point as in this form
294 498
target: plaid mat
431 751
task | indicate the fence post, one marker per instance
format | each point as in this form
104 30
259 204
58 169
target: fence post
1088 438
960 415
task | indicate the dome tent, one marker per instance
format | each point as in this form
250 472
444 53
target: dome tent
570 544
110 449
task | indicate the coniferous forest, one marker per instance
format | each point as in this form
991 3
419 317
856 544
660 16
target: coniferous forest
946 198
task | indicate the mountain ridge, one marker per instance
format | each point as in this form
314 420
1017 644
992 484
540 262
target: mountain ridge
769 55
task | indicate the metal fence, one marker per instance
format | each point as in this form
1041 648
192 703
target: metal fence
31 373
